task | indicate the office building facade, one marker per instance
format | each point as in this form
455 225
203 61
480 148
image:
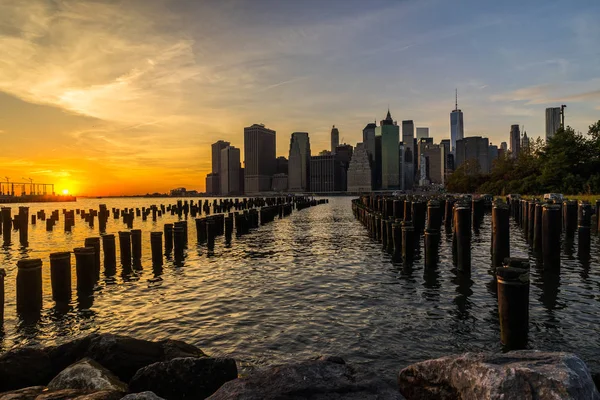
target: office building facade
335 138
389 135
435 156
553 121
230 171
359 170
422 133
325 174
515 141
457 127
259 158
473 148
299 162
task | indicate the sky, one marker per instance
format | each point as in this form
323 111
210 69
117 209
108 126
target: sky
125 97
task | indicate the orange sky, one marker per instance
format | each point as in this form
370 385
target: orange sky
113 98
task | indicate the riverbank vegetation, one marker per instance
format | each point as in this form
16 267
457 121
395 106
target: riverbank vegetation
567 163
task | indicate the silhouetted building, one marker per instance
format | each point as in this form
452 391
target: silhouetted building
408 139
230 171
359 171
242 180
457 126
335 138
259 158
389 134
216 155
299 163
435 155
473 148
213 184
504 147
493 154
422 133
280 182
420 145
553 121
515 141
525 143
343 154
282 165
325 174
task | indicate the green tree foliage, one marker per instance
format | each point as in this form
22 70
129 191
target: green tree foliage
567 163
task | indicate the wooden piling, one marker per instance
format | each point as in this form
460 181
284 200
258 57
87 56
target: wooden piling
29 285
60 276
94 242
513 303
584 227
551 217
6 225
85 268
432 242
462 222
110 254
156 248
500 234
125 248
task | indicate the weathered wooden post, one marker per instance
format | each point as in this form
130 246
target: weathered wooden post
168 230
551 236
210 234
531 221
432 241
390 235
434 215
110 253
85 269
178 239
60 276
500 234
397 233
584 222
125 249
94 242
6 224
136 246
156 247
408 243
383 234
2 276
569 216
24 228
449 214
513 303
537 228
462 222
29 285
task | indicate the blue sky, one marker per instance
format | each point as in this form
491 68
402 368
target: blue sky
150 84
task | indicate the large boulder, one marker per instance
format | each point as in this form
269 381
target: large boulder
525 374
87 374
24 367
184 378
120 354
329 378
42 393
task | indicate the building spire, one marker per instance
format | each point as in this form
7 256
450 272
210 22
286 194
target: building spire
389 116
455 99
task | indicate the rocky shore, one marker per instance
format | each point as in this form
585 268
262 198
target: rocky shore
107 367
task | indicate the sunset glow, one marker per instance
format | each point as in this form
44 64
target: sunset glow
126 98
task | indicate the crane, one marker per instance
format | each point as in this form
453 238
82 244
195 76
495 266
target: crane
30 185
562 115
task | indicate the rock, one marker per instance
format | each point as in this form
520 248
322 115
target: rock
87 375
184 378
28 393
101 395
24 367
522 374
177 349
63 394
120 354
314 380
142 396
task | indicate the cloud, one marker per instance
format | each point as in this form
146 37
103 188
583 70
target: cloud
574 91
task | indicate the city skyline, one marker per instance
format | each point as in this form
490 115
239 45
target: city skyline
137 111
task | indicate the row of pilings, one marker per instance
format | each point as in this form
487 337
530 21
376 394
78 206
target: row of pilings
99 253
400 223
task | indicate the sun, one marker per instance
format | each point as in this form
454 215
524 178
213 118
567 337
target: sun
65 191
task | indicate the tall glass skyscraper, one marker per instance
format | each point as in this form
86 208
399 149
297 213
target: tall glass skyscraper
552 121
389 132
299 163
457 127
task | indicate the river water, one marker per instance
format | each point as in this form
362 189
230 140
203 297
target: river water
312 283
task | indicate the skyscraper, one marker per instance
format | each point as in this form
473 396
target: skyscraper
259 158
335 138
552 121
230 171
504 147
410 152
422 133
359 172
457 128
299 163
473 148
369 139
389 134
436 158
515 141
325 173
525 143
216 155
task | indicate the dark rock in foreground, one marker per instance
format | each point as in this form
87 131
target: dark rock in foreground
42 393
24 367
142 396
514 375
315 380
87 374
184 378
